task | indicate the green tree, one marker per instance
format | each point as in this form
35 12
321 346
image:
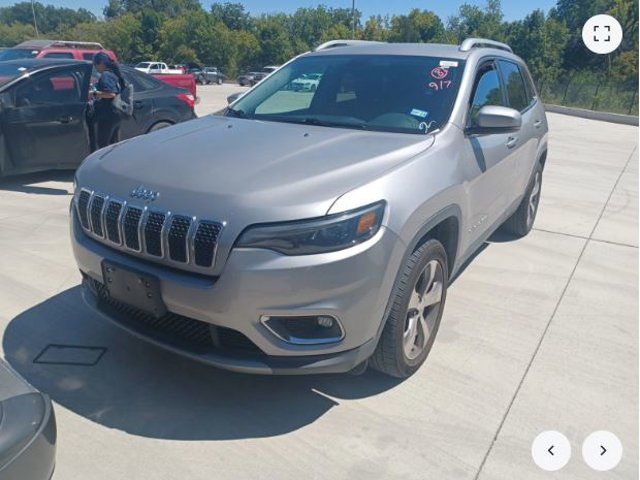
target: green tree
418 26
15 33
232 15
49 18
540 41
473 21
275 43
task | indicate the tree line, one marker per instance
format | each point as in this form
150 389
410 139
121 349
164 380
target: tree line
227 36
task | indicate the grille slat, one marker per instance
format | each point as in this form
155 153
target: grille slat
156 234
83 206
130 227
177 238
153 233
112 217
96 215
205 242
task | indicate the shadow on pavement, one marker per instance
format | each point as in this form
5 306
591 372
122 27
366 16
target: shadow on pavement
24 183
143 390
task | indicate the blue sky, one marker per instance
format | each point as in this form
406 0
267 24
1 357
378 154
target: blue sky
513 9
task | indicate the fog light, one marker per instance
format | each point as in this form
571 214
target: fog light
305 330
325 322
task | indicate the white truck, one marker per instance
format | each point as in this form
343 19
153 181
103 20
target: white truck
156 68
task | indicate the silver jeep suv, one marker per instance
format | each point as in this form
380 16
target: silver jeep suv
315 230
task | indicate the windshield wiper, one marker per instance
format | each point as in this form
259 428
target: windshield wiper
331 123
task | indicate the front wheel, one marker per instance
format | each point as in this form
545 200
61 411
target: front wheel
416 310
521 222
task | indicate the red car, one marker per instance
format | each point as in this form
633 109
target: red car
54 49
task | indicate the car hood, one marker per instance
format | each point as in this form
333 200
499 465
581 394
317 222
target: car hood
247 171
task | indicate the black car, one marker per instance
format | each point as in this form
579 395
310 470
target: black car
44 105
27 429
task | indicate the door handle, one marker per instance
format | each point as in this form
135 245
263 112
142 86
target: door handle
537 123
511 142
65 119
138 104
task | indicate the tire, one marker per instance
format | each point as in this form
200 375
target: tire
521 222
219 81
413 321
159 126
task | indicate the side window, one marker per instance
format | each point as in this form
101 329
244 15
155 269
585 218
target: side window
514 82
486 91
140 81
58 55
51 88
88 56
528 83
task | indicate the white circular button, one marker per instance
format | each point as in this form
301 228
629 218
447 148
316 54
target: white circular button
602 34
602 451
551 450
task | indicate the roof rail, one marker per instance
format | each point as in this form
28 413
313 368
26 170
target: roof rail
470 43
342 43
60 43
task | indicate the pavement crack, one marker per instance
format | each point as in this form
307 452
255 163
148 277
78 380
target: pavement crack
552 316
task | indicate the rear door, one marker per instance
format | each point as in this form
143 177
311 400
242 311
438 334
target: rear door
522 98
45 123
144 90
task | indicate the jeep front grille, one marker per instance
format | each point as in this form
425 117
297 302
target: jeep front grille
149 233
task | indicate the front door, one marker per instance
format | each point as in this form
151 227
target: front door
45 119
491 155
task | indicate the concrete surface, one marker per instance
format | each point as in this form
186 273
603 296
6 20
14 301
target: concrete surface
538 334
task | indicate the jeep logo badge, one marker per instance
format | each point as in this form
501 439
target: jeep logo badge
144 193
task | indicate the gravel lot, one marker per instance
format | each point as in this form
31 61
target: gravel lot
538 334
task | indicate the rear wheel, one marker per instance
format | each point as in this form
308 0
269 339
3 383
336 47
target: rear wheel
416 310
521 222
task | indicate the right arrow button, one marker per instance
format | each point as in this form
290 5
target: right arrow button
602 451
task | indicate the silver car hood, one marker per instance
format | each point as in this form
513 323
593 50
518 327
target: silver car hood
247 171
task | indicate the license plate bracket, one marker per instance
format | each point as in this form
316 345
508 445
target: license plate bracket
134 288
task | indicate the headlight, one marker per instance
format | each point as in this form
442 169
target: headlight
326 234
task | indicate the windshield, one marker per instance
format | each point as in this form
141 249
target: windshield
18 53
9 72
404 94
143 65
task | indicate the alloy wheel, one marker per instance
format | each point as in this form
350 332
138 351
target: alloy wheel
423 309
533 199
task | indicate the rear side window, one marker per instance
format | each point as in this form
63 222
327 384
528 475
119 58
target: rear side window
528 83
486 91
140 81
516 92
88 56
58 55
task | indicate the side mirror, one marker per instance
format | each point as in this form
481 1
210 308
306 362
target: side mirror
493 118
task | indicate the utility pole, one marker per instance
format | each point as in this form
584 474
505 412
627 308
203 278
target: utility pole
353 19
35 23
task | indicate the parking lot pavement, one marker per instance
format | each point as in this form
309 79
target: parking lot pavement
214 97
538 334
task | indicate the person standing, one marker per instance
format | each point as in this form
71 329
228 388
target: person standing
106 119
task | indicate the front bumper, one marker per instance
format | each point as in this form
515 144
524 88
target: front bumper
352 285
